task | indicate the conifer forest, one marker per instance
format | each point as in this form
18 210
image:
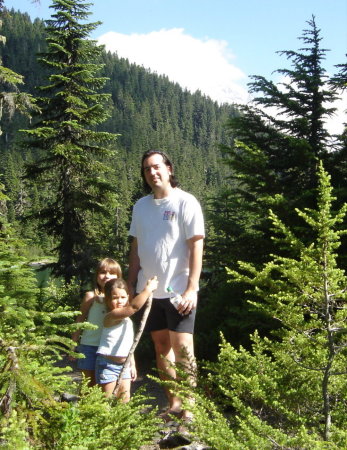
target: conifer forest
271 326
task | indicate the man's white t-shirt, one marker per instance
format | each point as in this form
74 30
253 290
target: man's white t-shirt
162 227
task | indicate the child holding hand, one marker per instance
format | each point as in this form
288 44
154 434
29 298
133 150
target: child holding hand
117 336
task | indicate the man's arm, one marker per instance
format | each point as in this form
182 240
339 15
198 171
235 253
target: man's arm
189 296
134 267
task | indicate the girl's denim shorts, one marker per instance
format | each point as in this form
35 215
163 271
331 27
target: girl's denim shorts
107 371
89 352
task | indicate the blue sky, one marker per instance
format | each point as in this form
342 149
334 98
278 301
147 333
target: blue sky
211 45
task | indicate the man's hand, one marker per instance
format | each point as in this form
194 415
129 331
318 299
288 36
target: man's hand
188 303
190 296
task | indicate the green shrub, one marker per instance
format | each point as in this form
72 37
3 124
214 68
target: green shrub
96 422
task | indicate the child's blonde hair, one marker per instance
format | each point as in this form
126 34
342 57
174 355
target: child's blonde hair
111 266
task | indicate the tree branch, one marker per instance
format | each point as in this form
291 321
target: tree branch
136 340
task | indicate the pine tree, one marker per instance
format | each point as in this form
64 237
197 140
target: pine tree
288 391
339 80
274 156
339 159
31 332
72 153
302 106
272 164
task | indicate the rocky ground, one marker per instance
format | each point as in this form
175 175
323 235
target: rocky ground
168 437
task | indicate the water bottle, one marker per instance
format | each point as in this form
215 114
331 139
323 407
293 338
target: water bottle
175 298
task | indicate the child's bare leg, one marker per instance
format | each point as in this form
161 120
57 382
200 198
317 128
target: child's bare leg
123 391
108 388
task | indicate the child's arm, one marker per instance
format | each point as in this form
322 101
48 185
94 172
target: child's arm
138 301
118 314
85 307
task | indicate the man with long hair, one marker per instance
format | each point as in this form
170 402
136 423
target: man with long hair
168 231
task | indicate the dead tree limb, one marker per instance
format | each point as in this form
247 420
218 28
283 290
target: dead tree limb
12 366
147 308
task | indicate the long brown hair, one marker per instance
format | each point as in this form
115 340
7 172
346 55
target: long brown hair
166 161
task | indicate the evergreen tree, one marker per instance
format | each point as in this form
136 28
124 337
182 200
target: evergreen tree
273 159
289 391
340 79
339 157
31 336
275 153
71 152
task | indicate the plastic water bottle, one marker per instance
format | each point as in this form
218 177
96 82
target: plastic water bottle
175 298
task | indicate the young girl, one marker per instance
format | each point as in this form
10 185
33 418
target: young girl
93 310
117 336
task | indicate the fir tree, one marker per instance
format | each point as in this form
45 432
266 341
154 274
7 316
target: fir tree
272 162
274 156
339 80
302 106
31 337
72 152
288 391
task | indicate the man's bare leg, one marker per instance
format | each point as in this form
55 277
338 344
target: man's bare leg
183 348
165 357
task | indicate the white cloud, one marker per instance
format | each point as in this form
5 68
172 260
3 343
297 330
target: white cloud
335 124
194 64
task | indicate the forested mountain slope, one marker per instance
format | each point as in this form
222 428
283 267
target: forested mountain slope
147 111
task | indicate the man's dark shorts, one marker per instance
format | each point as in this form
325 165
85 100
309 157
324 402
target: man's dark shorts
163 315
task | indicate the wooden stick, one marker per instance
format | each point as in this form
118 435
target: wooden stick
147 308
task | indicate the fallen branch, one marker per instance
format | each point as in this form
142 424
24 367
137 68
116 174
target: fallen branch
12 366
147 308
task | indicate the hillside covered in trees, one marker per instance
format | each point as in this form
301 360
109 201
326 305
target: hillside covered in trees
145 111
